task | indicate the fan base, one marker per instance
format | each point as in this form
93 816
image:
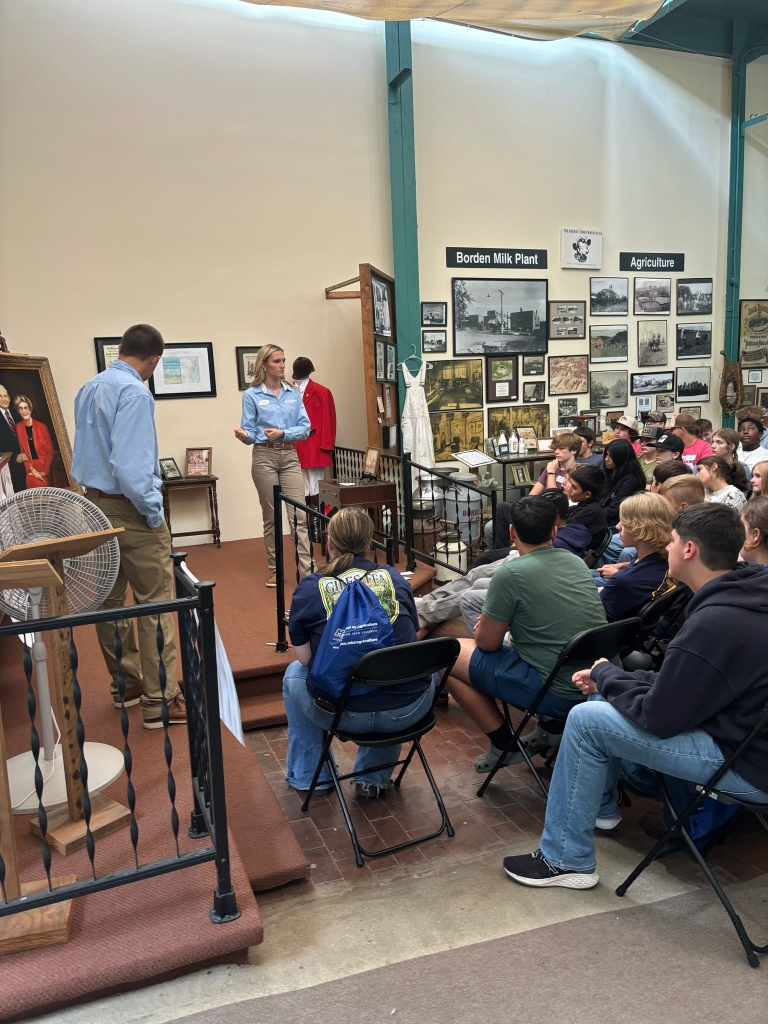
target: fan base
105 764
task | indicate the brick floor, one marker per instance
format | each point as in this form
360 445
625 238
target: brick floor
512 808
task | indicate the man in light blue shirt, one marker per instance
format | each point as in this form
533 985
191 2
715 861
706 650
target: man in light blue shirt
115 459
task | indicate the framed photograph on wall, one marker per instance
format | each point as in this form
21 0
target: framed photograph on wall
694 341
655 383
387 389
608 343
245 356
567 408
581 250
608 296
694 296
568 375
533 366
762 398
653 295
381 359
454 384
106 352
501 378
516 416
749 393
198 462
754 376
435 342
434 314
693 382
533 391
608 389
456 431
499 317
567 320
665 404
652 343
753 333
692 410
185 370
382 320
391 367
169 470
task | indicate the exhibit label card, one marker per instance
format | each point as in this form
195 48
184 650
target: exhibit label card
580 249
651 261
467 256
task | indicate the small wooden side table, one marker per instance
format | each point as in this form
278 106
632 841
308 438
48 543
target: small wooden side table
188 483
372 495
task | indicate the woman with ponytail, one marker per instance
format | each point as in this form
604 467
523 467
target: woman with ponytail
385 709
724 481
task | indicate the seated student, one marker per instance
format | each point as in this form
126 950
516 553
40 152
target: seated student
570 537
544 598
647 458
668 448
759 481
754 516
624 477
703 429
567 447
586 455
645 525
665 471
588 514
682 491
750 451
583 486
683 721
724 482
694 447
385 709
626 429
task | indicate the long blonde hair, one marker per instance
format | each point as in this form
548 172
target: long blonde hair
259 369
350 532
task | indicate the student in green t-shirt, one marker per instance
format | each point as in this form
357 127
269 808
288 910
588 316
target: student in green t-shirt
544 598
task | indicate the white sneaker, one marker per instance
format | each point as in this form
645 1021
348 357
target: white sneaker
608 824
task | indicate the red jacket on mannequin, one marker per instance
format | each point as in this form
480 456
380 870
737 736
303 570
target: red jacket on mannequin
317 450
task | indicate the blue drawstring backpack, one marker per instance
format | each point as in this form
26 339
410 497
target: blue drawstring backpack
358 624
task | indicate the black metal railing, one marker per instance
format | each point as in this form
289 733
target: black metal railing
193 607
305 517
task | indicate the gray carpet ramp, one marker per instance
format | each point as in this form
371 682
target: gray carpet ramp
677 961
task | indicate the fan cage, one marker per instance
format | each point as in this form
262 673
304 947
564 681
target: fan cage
48 513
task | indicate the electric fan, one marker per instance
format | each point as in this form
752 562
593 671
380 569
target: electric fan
31 524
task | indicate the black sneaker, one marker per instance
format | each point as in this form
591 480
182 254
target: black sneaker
534 869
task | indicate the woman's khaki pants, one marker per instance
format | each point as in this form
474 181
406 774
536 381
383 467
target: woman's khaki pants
269 467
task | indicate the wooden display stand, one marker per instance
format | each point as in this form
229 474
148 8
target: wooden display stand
41 564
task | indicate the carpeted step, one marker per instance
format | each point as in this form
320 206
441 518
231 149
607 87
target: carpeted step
263 709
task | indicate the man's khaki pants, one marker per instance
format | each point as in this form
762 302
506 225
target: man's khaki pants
145 564
269 467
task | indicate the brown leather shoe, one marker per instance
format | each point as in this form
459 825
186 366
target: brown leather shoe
177 714
272 581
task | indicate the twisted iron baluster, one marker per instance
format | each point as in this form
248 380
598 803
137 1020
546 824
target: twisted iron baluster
193 685
2 879
90 843
201 746
127 755
167 746
42 817
294 525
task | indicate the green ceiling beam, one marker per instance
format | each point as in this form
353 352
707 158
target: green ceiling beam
640 26
402 180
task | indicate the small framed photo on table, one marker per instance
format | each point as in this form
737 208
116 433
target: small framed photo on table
522 476
371 463
246 364
169 470
198 461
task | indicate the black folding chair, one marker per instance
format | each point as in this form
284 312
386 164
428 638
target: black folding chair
678 831
660 621
593 556
586 647
390 666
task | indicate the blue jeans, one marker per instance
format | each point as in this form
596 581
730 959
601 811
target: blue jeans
306 723
503 674
583 787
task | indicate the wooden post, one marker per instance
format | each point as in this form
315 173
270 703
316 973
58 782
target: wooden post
7 834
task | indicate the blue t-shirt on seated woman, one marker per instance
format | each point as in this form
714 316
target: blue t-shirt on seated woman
315 598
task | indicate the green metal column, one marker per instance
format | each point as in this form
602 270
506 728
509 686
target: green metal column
402 177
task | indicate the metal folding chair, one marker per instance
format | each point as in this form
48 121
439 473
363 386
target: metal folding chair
593 556
678 831
586 647
390 666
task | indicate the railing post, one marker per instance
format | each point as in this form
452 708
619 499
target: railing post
282 643
389 544
410 560
225 906
493 514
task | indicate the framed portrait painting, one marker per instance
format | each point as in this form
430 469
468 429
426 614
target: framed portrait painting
246 365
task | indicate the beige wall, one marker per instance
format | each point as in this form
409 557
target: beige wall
517 139
207 169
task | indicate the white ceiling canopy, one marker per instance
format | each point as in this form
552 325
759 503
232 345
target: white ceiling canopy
532 19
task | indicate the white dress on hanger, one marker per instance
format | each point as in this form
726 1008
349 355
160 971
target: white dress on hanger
417 431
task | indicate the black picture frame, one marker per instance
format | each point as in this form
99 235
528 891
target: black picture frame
499 316
169 470
106 352
434 314
434 342
652 296
693 340
501 386
534 392
380 360
608 337
692 300
391 364
609 296
533 366
652 343
568 375
567 408
382 307
653 382
687 377
243 355
171 365
608 389
566 320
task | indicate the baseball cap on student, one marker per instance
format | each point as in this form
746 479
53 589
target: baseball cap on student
668 442
627 421
648 434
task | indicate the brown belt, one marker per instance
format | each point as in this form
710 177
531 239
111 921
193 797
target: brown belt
94 492
274 444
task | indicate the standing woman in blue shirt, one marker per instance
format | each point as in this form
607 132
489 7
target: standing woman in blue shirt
274 418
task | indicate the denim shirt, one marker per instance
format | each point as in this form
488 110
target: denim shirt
115 440
286 412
